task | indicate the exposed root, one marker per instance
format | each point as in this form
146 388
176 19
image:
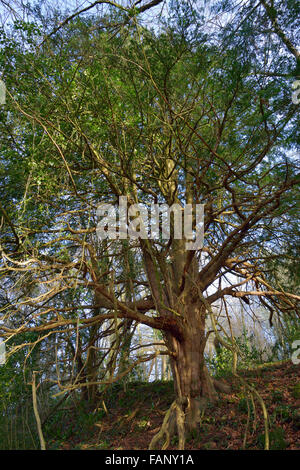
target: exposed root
174 418
164 430
182 416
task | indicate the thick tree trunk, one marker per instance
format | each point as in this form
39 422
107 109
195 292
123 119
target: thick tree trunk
194 387
91 376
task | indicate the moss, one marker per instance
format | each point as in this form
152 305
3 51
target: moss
284 413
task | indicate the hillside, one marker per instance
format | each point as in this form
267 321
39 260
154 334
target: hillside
129 419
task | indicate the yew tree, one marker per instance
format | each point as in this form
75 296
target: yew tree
175 114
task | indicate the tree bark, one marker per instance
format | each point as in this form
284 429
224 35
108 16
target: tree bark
194 388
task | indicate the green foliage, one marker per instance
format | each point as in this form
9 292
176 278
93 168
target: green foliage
91 115
73 419
286 333
277 396
277 439
221 363
243 405
286 414
17 422
296 391
249 356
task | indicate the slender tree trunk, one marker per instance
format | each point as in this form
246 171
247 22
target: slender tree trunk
92 372
163 368
169 371
127 335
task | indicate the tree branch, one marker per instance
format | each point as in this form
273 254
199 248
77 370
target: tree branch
272 15
130 11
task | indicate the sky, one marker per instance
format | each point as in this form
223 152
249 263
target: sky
15 8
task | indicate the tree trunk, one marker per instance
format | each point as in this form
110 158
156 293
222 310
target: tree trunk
127 335
194 387
91 376
163 368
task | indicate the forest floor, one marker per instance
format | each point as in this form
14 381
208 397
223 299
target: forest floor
128 419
